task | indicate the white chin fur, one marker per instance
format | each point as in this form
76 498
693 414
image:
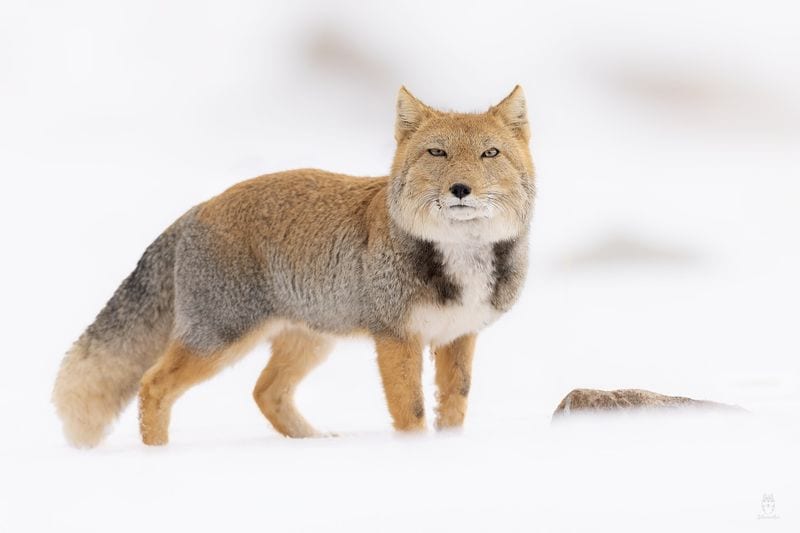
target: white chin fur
464 213
470 225
473 230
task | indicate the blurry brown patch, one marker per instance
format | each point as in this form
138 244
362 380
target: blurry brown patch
329 49
622 249
704 95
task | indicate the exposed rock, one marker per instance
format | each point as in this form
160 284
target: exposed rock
590 400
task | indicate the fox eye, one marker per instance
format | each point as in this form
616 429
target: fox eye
437 152
491 152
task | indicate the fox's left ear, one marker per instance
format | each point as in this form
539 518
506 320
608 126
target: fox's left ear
513 112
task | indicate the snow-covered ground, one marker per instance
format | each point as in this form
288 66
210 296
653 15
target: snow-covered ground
665 256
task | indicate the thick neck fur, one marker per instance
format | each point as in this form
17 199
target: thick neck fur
466 286
464 270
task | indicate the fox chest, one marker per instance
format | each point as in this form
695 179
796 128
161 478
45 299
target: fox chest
466 278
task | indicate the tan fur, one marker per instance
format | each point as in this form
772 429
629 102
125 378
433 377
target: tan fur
465 135
453 379
294 354
178 370
400 364
96 381
250 212
89 393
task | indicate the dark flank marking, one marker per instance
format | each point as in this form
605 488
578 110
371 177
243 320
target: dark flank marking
464 374
501 263
419 409
230 333
465 384
429 265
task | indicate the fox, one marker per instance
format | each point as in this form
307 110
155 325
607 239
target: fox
424 258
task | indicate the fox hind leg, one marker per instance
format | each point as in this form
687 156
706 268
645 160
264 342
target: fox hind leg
295 353
175 372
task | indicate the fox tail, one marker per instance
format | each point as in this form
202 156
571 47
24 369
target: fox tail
100 374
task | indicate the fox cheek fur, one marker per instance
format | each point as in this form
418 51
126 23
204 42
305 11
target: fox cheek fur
426 257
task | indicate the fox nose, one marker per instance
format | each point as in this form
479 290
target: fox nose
460 190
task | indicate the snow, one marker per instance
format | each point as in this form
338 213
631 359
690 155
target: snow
664 256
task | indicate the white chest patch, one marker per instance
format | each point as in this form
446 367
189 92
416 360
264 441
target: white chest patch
470 267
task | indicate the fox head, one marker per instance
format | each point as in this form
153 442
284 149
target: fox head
460 177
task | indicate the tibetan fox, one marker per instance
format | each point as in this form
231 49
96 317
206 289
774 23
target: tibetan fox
425 257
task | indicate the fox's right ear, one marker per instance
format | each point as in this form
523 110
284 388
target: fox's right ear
410 114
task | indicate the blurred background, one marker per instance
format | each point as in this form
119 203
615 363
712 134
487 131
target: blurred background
664 245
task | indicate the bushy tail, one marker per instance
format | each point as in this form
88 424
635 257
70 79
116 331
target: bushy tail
101 372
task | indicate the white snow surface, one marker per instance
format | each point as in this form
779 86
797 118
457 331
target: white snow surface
664 246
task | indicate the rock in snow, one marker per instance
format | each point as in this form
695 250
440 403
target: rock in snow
591 400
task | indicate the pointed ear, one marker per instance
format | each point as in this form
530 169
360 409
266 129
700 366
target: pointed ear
410 114
513 112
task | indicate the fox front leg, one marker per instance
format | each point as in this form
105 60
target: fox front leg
400 364
453 377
